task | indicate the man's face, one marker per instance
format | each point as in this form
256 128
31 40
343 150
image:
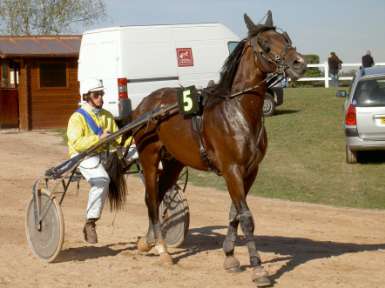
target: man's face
96 99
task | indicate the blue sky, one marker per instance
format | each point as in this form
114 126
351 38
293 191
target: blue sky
347 27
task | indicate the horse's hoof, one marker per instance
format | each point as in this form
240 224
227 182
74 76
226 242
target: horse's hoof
260 277
263 282
232 264
143 245
166 259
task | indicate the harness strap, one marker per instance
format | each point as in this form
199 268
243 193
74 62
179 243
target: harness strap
197 126
91 122
270 81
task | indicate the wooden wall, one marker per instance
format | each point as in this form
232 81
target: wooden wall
9 108
52 107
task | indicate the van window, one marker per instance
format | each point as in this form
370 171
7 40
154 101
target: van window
231 45
53 75
370 93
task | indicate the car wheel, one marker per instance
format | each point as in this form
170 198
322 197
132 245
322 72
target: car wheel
268 105
351 156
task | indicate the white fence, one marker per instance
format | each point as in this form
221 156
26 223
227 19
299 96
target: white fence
325 68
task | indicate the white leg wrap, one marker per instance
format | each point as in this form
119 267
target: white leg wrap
160 248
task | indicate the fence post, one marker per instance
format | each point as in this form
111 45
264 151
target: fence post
326 69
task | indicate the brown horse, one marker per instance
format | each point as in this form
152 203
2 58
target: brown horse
233 135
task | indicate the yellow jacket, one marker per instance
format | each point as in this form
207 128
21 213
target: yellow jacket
79 134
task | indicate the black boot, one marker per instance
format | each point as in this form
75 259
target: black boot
89 231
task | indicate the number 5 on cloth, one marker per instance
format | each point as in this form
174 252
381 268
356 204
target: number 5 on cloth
189 101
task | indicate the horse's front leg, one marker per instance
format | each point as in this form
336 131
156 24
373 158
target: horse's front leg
236 187
231 263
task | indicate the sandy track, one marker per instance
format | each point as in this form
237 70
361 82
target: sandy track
301 245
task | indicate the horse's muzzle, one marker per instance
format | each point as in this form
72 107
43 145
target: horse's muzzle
297 67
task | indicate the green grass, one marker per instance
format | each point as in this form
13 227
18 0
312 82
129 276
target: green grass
305 160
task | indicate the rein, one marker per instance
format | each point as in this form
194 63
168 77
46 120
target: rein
272 80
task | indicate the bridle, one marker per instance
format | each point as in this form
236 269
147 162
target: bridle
262 51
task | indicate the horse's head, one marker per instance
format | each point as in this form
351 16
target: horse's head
273 50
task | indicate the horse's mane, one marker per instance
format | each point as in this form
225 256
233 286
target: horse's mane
230 67
215 93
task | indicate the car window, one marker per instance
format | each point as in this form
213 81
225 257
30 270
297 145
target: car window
370 93
231 45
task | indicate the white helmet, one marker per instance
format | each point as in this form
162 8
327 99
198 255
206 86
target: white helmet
91 85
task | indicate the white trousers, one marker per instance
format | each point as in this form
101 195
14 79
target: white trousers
94 172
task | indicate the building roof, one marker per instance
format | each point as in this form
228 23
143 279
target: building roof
39 46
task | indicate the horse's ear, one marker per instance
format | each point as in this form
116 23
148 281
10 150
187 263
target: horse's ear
269 19
249 23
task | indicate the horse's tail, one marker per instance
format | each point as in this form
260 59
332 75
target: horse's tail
117 190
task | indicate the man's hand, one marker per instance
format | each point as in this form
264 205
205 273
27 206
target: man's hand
105 134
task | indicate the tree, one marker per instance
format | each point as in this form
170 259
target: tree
28 17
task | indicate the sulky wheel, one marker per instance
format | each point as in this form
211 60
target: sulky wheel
45 238
174 213
174 217
182 179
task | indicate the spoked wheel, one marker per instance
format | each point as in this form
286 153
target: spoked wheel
174 213
182 179
268 105
45 237
175 217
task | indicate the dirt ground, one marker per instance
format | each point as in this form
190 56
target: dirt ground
301 245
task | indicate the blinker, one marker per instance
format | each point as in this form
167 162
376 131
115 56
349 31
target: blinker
263 44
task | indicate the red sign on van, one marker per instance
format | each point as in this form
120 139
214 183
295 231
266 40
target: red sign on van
185 57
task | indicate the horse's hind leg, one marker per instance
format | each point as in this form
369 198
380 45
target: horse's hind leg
166 180
169 175
149 158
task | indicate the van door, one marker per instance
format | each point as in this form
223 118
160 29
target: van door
147 60
208 50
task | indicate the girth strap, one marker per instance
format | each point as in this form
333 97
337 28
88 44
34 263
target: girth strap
197 126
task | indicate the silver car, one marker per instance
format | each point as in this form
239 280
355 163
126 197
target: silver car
365 113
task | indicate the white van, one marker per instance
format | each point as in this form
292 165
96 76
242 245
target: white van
134 61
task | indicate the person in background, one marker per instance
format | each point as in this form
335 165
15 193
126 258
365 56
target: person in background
367 60
334 67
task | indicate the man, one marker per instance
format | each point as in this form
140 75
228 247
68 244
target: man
334 67
86 127
367 60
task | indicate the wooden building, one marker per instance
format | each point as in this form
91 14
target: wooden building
38 87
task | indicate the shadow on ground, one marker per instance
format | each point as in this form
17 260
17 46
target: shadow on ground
285 111
371 157
93 252
296 251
